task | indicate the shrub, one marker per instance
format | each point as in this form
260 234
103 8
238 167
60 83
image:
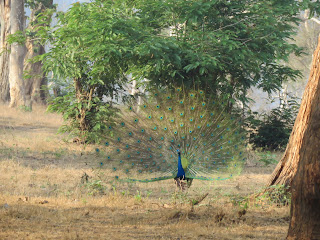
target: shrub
271 131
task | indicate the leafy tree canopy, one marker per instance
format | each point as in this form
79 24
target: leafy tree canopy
221 45
35 3
93 46
224 45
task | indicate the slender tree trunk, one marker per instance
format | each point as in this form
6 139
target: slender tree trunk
17 91
5 6
305 206
81 97
36 85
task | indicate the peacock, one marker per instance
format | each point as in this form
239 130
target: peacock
174 134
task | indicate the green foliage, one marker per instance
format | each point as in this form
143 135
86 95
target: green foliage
138 196
18 37
180 197
228 46
271 130
240 201
222 46
25 108
40 24
59 87
273 133
313 6
96 187
85 119
277 194
94 55
35 3
267 158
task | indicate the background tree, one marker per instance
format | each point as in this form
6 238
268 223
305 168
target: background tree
225 46
304 150
29 84
271 130
17 53
307 38
35 79
5 8
93 56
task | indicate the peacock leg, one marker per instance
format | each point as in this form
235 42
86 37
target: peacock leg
189 182
180 184
177 182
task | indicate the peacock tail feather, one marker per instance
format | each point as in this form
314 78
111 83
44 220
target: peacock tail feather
144 142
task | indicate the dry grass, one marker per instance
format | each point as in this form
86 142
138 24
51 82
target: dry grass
42 195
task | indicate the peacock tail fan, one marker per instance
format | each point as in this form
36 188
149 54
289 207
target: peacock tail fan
146 137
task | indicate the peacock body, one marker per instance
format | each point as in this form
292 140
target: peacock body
175 134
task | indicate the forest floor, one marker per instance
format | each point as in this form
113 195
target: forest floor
44 194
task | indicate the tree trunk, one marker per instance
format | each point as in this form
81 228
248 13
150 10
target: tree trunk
288 165
305 205
36 84
5 6
17 91
36 79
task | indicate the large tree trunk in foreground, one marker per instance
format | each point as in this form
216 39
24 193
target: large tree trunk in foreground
17 91
305 205
288 165
4 50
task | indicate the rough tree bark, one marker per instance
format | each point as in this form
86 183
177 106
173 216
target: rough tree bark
35 86
5 6
17 91
305 206
287 167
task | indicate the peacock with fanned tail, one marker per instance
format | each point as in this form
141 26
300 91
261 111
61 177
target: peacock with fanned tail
175 135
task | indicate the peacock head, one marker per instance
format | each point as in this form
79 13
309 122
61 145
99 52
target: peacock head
178 151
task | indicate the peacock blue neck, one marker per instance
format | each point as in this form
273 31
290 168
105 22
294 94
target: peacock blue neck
181 172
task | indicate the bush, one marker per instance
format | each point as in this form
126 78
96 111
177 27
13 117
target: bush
271 131
86 121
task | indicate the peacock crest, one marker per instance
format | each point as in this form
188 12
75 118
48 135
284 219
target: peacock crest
175 133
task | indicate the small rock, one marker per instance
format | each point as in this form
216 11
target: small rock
6 206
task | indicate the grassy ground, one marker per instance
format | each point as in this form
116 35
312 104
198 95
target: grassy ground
44 194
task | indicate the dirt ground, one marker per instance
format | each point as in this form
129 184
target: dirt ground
50 189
